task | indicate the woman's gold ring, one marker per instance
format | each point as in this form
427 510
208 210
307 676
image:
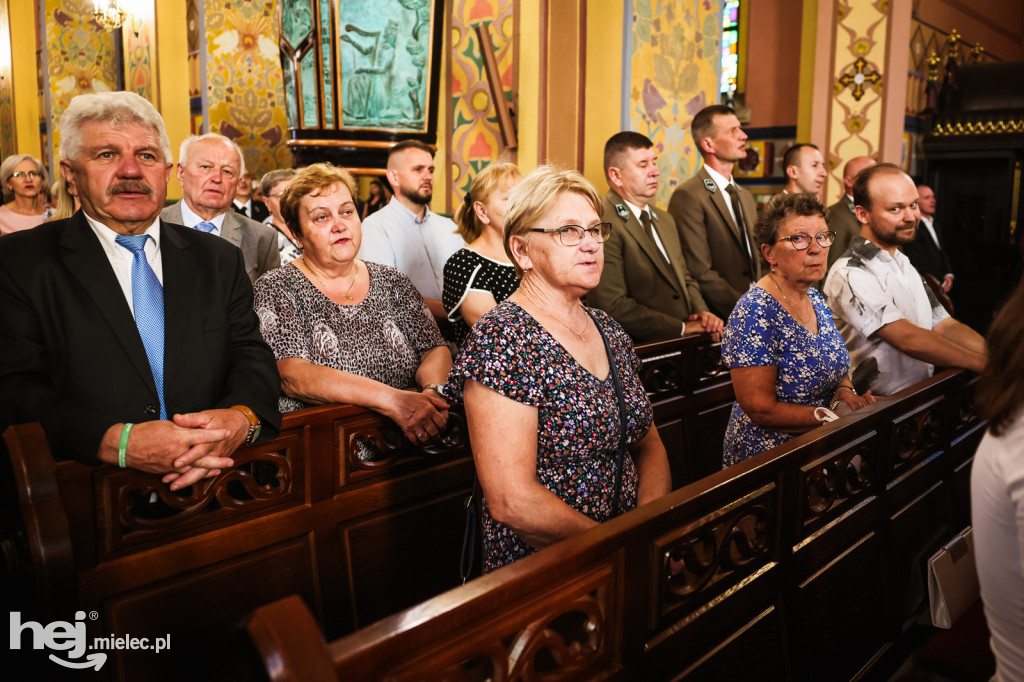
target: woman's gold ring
421 436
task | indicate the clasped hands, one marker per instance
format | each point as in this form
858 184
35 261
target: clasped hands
421 416
186 448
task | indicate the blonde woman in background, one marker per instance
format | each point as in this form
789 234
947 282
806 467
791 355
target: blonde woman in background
66 204
23 178
480 276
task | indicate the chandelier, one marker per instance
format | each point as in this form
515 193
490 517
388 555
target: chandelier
109 14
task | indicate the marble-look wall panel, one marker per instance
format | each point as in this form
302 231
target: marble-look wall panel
8 137
672 65
79 56
475 139
244 83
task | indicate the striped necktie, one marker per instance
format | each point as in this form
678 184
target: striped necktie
148 302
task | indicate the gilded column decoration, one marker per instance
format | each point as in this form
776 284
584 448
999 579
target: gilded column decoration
140 50
671 70
244 84
475 140
855 116
80 57
8 138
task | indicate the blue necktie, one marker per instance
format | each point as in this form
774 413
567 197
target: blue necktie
148 301
206 227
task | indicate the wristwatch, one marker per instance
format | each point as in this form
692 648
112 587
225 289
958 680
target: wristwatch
254 423
435 387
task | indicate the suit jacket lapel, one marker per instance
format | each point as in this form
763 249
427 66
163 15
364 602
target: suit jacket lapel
670 238
635 230
719 199
86 261
179 282
230 229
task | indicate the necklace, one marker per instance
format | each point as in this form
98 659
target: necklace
579 335
324 286
792 306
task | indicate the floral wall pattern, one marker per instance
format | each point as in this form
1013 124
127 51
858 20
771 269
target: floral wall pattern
80 57
244 84
670 67
8 139
474 139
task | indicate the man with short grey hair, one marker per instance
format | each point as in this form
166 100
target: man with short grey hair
132 340
209 168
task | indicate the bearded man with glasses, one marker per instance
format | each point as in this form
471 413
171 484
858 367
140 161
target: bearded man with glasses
895 328
789 366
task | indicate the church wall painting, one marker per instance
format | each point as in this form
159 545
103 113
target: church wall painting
244 83
140 52
475 139
671 73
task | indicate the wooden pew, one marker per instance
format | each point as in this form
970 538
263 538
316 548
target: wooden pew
359 538
804 563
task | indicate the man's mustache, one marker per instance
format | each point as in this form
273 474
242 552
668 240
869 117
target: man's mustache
134 186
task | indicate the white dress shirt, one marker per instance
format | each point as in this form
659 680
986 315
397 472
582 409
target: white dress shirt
121 258
191 219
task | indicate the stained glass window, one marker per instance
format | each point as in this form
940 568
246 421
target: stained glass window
730 48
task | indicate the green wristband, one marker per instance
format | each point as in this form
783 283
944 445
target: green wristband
122 449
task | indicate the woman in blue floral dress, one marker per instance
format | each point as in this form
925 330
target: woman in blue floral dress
786 358
541 403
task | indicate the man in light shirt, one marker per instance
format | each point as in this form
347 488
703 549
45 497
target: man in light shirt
893 326
132 340
209 168
842 217
406 234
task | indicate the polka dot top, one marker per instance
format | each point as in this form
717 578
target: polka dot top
468 271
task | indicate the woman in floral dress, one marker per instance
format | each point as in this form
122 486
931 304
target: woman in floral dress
541 404
786 358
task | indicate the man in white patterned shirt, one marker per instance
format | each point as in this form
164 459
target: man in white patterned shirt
894 328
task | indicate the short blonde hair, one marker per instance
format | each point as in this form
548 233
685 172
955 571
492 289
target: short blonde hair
116 108
311 180
537 194
490 180
12 162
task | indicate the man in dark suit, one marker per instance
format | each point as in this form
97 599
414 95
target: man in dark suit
716 216
645 285
132 340
841 217
209 167
245 203
927 252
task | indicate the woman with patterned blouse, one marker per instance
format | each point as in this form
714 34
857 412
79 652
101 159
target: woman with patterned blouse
343 330
541 404
481 275
786 358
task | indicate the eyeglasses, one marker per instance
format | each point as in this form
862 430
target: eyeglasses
800 242
274 196
572 235
26 174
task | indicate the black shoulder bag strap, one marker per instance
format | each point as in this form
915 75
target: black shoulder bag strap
623 424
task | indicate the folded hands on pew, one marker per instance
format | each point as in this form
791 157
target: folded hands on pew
705 322
185 449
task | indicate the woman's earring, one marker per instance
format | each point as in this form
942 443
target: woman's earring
773 268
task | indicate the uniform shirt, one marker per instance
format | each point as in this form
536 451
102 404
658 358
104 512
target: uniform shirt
868 289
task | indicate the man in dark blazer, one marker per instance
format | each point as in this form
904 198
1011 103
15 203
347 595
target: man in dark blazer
927 252
841 217
717 242
645 285
209 168
80 299
245 203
